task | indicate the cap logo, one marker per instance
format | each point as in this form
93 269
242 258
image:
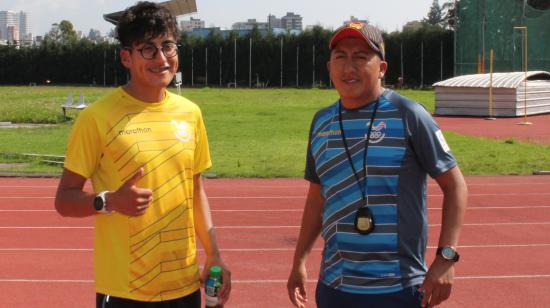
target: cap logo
356 25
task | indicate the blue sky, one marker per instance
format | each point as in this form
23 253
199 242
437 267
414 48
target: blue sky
389 15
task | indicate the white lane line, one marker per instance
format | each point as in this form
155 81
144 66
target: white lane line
429 208
207 187
270 281
523 194
10 210
303 186
282 227
301 210
500 207
500 194
246 186
237 210
265 249
48 280
26 186
500 246
47 249
252 281
502 224
501 277
257 197
266 210
20 197
46 227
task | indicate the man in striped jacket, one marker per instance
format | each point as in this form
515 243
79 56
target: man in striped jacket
368 158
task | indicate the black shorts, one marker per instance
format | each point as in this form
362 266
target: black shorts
327 297
192 300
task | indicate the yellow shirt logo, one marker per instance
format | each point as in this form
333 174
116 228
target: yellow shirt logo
182 130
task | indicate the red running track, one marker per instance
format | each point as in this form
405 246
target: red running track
501 128
46 260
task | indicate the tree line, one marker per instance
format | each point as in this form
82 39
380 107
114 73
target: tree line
421 54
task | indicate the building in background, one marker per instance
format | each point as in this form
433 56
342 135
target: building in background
192 23
12 33
291 21
273 22
23 25
249 25
14 26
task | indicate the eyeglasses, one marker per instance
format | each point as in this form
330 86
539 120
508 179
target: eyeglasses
149 51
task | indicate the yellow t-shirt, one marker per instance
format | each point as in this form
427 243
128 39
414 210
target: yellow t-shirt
150 257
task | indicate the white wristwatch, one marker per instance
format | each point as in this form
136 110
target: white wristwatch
100 203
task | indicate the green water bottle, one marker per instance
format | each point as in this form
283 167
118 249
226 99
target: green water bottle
212 287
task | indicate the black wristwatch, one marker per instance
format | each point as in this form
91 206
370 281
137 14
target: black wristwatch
448 253
100 203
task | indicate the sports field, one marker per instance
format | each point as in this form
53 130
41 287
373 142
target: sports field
254 133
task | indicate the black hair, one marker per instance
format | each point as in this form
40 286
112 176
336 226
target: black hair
145 21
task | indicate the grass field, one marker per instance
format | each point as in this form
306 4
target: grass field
252 133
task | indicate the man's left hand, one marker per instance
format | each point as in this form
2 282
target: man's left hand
438 282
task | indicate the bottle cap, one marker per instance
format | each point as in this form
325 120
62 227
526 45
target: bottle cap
215 271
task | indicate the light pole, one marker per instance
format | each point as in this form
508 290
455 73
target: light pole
525 67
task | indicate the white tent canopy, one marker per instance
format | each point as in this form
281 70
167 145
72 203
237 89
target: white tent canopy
512 92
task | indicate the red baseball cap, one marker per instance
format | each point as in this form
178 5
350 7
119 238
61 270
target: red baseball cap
360 30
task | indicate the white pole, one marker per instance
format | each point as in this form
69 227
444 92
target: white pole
454 38
250 63
116 78
313 69
235 68
483 25
281 61
441 64
421 65
491 113
104 66
402 77
297 66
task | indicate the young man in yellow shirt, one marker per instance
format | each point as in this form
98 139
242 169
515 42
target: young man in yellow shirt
144 149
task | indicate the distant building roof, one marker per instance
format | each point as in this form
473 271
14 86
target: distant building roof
176 7
204 32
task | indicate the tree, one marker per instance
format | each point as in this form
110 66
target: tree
68 34
450 13
435 14
54 35
62 32
539 4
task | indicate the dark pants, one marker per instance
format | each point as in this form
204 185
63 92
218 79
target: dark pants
327 297
192 300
